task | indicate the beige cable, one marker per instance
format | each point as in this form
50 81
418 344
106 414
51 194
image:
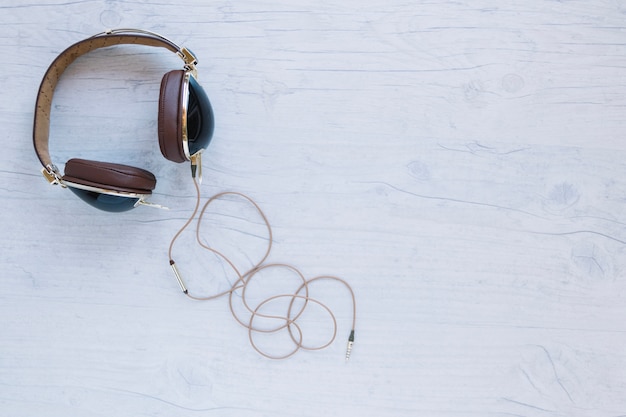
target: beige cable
290 319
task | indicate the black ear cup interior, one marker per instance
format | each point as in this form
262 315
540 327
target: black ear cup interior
194 118
200 118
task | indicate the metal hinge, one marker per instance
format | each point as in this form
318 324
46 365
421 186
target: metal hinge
190 61
52 175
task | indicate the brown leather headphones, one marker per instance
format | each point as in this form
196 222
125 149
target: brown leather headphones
185 127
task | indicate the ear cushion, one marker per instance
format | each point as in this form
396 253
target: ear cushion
116 177
170 121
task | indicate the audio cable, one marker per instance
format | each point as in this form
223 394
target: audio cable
289 320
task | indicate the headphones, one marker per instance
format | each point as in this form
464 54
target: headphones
185 127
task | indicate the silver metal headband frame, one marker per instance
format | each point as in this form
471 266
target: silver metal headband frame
183 53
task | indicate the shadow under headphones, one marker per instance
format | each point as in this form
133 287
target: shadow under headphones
185 127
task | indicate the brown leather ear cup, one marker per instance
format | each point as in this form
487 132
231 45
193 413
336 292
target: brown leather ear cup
170 120
109 176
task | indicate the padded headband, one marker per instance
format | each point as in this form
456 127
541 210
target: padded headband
41 129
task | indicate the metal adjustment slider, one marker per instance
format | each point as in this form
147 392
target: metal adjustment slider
52 175
190 60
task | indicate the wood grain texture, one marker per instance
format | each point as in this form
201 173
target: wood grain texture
460 163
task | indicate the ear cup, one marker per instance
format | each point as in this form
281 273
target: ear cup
109 176
170 119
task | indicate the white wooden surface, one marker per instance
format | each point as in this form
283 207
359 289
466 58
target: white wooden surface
460 163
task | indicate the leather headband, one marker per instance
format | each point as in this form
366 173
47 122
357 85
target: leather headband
41 126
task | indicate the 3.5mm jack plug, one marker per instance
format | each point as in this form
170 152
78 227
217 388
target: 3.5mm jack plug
350 344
